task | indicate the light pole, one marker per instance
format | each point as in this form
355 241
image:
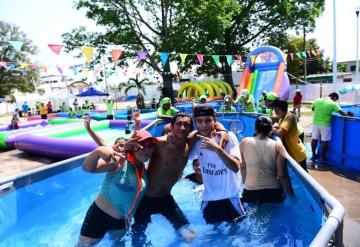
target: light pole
357 47
334 66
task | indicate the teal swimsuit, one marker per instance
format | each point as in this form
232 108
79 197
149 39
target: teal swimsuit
124 188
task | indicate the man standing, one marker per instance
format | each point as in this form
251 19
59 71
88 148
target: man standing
288 132
323 109
25 109
220 170
166 111
247 101
109 103
297 102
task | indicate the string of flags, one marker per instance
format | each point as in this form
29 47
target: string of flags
88 53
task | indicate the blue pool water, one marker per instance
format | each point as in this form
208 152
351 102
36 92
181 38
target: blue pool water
50 212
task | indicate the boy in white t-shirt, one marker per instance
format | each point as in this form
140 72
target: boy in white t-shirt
220 170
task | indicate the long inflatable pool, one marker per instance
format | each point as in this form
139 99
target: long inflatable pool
73 141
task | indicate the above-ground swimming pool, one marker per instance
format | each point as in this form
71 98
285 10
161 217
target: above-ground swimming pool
47 207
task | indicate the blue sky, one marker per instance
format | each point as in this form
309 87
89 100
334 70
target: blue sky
45 20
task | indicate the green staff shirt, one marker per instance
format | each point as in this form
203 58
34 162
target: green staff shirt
170 112
323 109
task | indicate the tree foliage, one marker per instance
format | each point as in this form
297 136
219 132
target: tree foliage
223 27
20 79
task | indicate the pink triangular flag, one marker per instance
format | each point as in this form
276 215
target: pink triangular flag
200 57
239 58
292 56
56 48
4 64
318 51
116 53
309 53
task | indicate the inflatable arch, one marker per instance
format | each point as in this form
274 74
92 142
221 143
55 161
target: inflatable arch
265 69
212 89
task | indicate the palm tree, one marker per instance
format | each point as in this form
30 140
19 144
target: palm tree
139 85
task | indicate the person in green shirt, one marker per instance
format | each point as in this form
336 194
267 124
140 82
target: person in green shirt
166 111
262 106
269 100
227 106
247 101
323 109
63 107
109 103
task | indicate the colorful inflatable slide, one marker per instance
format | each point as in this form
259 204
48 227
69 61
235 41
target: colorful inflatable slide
265 69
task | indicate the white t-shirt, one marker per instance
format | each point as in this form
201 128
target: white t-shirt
219 181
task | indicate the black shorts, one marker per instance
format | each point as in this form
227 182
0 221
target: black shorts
165 205
109 116
229 210
97 223
44 116
263 196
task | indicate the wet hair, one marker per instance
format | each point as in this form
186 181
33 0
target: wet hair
194 161
120 139
182 115
204 110
281 104
334 95
263 125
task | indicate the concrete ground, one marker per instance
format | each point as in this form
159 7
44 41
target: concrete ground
343 186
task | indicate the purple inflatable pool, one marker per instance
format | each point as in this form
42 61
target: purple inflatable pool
63 148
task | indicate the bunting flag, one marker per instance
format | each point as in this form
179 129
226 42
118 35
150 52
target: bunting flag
116 54
286 55
309 53
252 59
304 54
24 65
200 57
216 59
314 52
88 53
58 67
298 54
164 57
11 66
292 56
96 72
44 68
33 66
16 44
318 51
56 48
183 57
229 59
239 58
142 54
3 64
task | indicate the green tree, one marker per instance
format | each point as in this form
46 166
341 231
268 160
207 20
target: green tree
15 78
314 64
221 27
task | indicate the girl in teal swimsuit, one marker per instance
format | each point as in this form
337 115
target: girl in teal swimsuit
121 190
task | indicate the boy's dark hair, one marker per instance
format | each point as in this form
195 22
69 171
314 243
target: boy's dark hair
204 110
263 124
182 115
193 163
120 139
281 104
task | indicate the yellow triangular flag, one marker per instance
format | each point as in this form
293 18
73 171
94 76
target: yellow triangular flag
183 57
24 65
88 53
253 59
286 55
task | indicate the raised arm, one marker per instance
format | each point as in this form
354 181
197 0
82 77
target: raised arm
281 167
103 159
99 141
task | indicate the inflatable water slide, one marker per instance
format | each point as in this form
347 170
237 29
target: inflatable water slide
265 69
